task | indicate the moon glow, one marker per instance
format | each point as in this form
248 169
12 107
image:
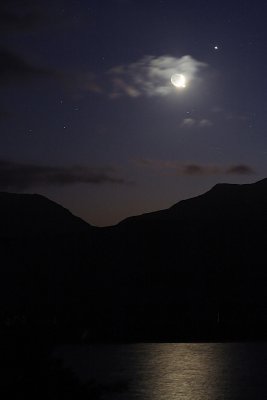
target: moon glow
178 80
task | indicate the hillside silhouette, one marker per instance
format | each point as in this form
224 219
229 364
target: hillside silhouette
246 202
195 271
33 214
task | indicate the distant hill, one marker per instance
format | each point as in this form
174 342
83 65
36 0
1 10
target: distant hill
202 256
223 201
33 214
196 271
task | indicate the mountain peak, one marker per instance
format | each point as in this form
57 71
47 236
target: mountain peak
222 201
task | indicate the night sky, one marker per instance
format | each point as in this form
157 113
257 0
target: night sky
90 118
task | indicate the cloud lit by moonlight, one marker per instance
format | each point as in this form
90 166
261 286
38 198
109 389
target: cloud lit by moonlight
154 76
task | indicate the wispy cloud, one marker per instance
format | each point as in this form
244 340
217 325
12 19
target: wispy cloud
79 83
188 123
120 86
151 75
13 66
190 169
20 176
205 123
30 16
240 169
193 122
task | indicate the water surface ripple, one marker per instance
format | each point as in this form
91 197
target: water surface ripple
198 371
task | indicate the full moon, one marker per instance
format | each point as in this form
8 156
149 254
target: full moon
178 80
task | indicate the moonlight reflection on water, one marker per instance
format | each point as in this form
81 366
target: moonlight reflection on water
173 371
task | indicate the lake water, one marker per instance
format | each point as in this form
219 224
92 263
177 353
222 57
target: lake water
173 371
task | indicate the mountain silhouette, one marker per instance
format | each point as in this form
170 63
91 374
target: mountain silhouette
167 275
33 214
247 201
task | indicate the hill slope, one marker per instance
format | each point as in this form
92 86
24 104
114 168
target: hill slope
160 276
244 202
33 214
